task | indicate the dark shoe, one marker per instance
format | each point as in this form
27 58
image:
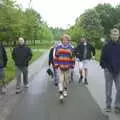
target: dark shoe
56 84
117 110
86 82
18 90
80 79
108 109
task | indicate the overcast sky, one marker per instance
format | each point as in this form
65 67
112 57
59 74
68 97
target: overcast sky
62 13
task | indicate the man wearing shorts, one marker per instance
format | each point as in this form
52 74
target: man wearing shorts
84 52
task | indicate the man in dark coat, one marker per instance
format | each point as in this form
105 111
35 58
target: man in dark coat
84 52
110 62
21 56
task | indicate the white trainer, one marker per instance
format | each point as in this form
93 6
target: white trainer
65 93
26 86
18 90
61 97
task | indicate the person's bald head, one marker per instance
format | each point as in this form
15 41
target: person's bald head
21 41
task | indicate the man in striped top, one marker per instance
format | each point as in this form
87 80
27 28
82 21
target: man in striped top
64 62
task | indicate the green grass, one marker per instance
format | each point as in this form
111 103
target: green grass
37 54
10 69
98 52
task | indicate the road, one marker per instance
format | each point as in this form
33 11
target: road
40 101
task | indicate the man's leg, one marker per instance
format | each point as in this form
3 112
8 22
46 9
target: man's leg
117 85
86 71
108 88
72 72
66 82
25 76
86 74
60 85
71 75
81 71
18 78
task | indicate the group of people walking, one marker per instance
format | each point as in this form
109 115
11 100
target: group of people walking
62 58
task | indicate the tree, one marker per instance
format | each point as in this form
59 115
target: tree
117 16
96 23
88 25
14 22
57 32
107 16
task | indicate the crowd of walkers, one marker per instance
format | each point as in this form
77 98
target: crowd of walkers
62 59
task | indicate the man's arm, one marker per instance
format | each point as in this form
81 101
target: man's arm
93 50
4 57
13 54
103 58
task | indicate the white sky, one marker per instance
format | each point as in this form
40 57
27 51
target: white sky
62 13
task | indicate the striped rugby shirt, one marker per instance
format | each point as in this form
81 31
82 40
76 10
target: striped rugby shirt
63 57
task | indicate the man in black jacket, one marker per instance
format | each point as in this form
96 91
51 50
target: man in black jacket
21 56
110 62
84 52
3 63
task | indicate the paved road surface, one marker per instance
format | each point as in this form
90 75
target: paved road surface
97 88
40 102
